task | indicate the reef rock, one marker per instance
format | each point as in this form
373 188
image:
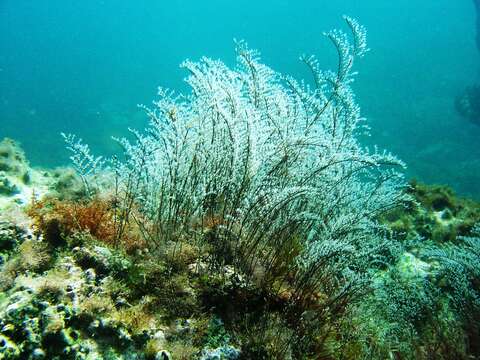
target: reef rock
20 183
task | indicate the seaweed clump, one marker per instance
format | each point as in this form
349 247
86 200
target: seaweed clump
425 303
264 177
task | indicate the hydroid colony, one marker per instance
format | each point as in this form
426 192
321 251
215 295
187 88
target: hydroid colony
274 163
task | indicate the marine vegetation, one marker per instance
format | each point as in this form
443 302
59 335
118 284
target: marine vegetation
265 169
246 221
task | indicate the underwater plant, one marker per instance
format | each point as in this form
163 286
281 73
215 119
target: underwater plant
267 170
457 273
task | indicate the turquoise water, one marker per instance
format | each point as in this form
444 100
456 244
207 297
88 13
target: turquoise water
82 67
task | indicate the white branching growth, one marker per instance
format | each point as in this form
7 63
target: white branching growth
84 163
271 165
458 265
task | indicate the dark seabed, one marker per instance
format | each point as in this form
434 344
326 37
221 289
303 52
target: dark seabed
82 67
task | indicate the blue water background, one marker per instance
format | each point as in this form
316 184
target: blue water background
83 66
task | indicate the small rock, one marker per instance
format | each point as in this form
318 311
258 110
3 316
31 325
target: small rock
160 338
183 326
8 349
38 354
121 302
159 335
226 352
94 326
8 328
198 268
163 355
90 275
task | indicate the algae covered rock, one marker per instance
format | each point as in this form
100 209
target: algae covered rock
15 174
7 187
163 355
100 259
44 314
11 236
35 325
66 184
8 349
221 353
12 160
436 214
20 183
